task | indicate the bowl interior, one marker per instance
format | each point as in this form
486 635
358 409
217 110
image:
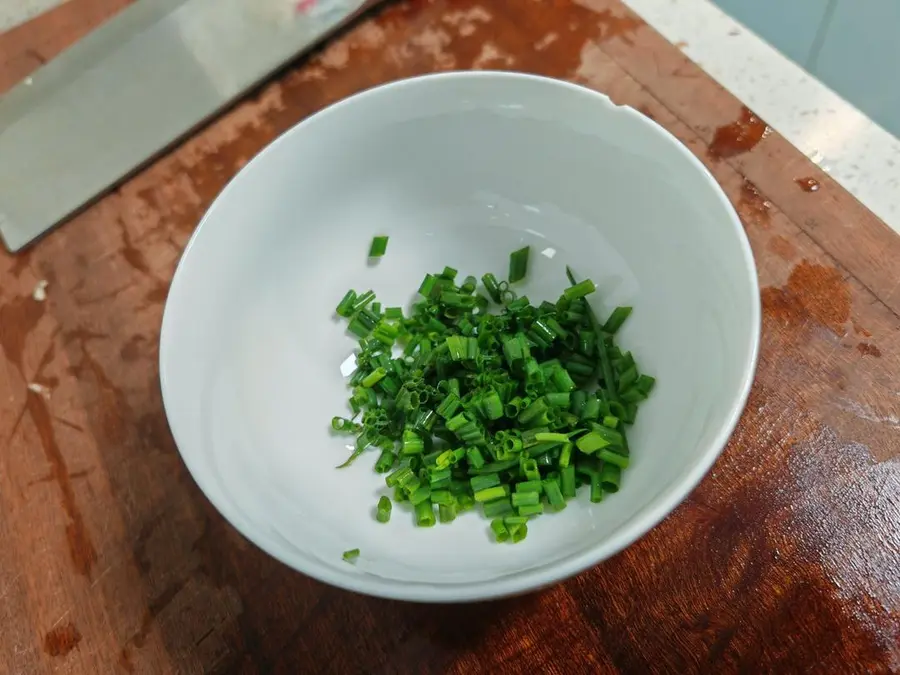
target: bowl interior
458 170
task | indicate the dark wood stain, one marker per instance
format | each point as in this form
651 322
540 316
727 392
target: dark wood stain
62 639
154 608
782 247
131 350
808 184
617 24
753 207
867 349
815 291
131 254
859 330
18 318
80 547
739 137
824 294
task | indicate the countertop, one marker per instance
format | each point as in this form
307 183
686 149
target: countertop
785 558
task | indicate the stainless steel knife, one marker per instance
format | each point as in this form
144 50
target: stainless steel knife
134 86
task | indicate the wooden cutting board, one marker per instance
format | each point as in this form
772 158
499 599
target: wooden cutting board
785 559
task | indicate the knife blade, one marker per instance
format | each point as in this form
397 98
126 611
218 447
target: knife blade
132 88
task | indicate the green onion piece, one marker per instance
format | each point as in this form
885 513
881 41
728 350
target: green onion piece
446 513
425 514
614 458
627 378
492 493
560 399
591 409
351 555
492 406
616 319
383 510
475 458
393 313
591 442
345 306
499 529
567 481
412 443
528 498
579 290
518 264
499 507
464 502
610 477
420 494
645 384
399 477
442 497
439 477
492 287
530 469
596 488
554 494
378 247
374 377
518 533
551 438
565 455
530 486
532 510
385 461
483 482
562 381
632 396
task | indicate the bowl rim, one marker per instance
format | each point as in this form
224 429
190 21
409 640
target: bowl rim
537 577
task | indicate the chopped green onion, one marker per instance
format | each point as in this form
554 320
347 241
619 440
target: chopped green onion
491 286
499 530
499 507
480 483
591 442
490 407
385 461
383 510
346 305
614 458
490 494
518 264
530 486
518 533
610 477
527 498
425 514
378 247
567 480
596 488
554 494
446 513
616 319
351 555
532 510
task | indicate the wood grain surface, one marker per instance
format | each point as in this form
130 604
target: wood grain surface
786 559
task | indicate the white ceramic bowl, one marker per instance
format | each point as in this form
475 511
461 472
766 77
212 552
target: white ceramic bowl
459 169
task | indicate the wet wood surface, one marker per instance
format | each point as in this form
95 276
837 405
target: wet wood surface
785 559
